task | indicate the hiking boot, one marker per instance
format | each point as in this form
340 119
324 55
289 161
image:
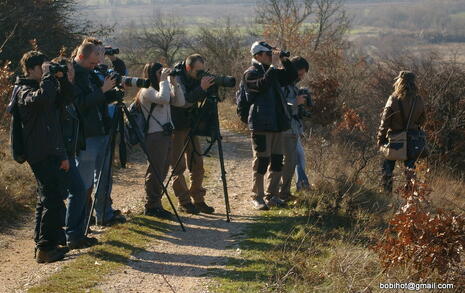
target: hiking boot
204 208
48 256
159 213
274 201
117 219
188 208
287 197
259 204
85 242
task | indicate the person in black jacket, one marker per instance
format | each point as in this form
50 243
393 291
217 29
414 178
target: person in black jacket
74 142
95 161
39 95
268 119
195 90
92 99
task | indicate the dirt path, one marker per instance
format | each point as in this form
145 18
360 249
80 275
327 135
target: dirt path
177 262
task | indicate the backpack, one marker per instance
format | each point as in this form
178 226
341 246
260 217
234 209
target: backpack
17 144
243 104
135 112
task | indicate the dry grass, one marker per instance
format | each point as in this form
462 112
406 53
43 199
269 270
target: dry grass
17 186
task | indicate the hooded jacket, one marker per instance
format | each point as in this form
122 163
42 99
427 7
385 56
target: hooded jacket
39 107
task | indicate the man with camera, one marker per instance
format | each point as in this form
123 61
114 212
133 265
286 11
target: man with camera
92 99
195 89
268 119
296 99
38 96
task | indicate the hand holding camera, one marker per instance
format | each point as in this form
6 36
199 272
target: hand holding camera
276 58
206 82
108 83
165 72
301 99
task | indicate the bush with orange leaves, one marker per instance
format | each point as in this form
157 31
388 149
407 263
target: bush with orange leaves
424 240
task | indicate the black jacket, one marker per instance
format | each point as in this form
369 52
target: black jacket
91 103
39 107
268 111
182 116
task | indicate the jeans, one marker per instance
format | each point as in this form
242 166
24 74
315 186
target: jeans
50 208
77 204
89 164
388 171
301 176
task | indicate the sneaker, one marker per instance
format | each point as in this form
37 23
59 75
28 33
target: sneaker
188 208
48 256
85 242
259 204
159 213
274 201
204 208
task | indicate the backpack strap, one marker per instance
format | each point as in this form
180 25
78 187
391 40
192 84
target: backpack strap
152 106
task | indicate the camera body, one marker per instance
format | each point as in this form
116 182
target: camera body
302 111
111 51
58 67
167 129
219 80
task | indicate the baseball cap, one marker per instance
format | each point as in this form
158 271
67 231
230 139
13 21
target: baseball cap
258 47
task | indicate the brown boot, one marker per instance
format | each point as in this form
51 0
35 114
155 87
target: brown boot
48 256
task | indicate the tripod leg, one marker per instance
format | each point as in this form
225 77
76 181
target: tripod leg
144 149
223 179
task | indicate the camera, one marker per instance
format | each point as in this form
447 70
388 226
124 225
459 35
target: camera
167 129
102 71
58 67
282 53
303 112
176 71
111 51
220 81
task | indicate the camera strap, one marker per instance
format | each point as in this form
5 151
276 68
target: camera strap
150 114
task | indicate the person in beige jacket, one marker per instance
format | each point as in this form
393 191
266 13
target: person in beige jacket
156 101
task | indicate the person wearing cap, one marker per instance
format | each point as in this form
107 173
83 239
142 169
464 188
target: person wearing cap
268 119
394 119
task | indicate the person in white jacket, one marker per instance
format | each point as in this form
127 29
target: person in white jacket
156 104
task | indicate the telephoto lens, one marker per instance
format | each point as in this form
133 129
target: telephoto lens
135 82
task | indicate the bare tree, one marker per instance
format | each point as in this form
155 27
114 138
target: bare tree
165 36
296 24
223 46
332 21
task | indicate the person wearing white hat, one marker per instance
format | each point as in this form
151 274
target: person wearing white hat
268 119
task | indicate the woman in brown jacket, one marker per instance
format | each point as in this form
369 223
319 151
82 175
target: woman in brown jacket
394 119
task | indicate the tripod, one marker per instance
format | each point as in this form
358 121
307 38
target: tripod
209 109
118 123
